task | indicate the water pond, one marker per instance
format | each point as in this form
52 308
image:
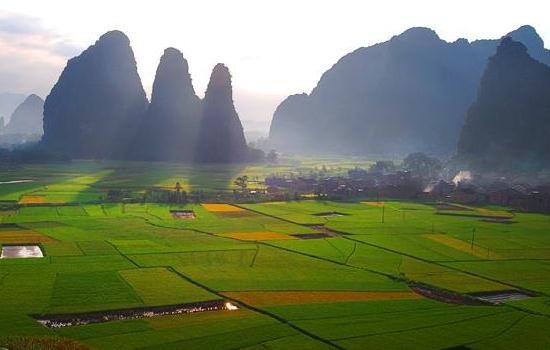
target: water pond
21 252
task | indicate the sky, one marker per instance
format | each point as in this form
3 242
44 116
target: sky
273 48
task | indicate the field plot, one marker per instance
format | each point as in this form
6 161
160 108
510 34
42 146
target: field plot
270 298
20 235
28 199
411 324
221 208
351 290
158 286
216 330
462 246
259 236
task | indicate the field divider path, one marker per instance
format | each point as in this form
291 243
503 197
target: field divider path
502 332
260 311
245 305
255 255
390 276
123 255
426 326
407 255
288 250
442 265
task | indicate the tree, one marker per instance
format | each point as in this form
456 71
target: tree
242 182
382 167
423 165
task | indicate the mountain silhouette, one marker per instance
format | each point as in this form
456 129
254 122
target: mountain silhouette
405 95
170 130
96 106
221 137
508 126
27 117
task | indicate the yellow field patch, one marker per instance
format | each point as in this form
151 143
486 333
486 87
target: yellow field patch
462 246
259 236
374 204
495 213
23 236
486 212
221 208
32 199
272 298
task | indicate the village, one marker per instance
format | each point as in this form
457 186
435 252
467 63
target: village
406 185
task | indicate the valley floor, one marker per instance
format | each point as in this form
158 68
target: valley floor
372 275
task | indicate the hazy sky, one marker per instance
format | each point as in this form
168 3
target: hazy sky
272 47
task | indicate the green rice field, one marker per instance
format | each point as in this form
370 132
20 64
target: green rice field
379 258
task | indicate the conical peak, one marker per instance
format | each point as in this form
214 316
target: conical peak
173 56
33 98
220 77
114 37
172 51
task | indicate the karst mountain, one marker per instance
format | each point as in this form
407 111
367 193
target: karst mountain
508 126
95 108
405 95
221 136
169 131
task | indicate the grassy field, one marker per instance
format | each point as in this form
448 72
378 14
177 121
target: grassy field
355 290
87 181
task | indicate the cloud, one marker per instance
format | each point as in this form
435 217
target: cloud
18 24
31 54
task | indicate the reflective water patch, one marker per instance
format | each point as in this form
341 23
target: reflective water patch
182 214
21 252
332 214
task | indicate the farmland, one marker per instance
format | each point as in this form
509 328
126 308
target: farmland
391 274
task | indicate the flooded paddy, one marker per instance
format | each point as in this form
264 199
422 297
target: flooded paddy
326 231
15 182
21 252
67 320
332 214
183 214
447 296
500 297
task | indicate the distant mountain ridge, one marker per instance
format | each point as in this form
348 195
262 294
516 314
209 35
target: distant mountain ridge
408 94
8 102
